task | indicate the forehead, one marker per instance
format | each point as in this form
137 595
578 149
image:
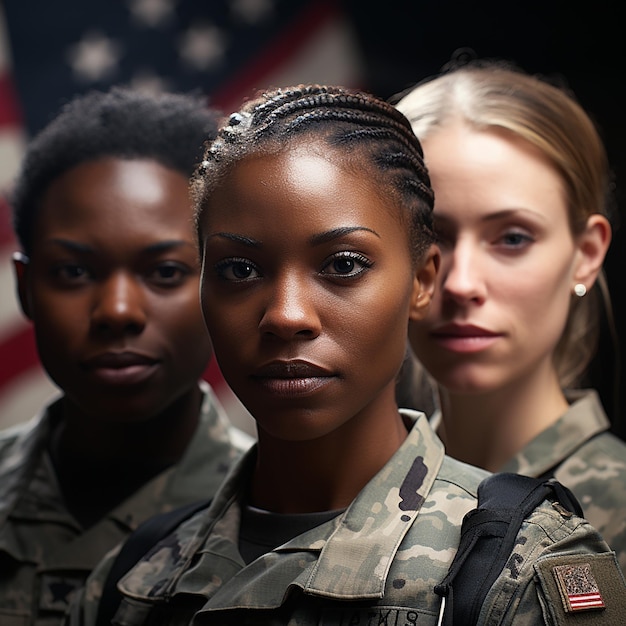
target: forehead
306 174
304 169
122 190
109 198
483 170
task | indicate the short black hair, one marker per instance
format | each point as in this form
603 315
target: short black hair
124 123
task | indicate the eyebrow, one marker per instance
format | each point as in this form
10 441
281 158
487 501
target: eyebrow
493 217
315 240
246 241
336 233
154 248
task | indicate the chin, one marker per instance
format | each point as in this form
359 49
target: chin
465 383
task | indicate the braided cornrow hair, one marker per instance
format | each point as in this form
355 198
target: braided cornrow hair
355 123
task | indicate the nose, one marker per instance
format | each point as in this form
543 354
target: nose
290 311
119 306
463 278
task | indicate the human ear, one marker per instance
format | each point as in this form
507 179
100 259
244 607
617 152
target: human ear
424 283
593 244
20 267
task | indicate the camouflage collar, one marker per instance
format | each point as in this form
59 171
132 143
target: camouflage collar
584 419
346 558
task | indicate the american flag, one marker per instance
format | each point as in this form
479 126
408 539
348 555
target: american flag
50 51
578 587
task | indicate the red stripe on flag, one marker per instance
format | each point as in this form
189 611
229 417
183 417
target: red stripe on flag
9 109
251 78
213 375
585 601
19 354
7 236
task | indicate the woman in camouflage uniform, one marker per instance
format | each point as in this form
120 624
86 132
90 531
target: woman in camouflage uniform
522 186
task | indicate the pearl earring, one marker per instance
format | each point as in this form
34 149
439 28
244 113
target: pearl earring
580 290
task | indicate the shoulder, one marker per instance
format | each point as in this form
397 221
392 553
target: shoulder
16 443
162 563
605 448
596 474
141 572
599 459
550 541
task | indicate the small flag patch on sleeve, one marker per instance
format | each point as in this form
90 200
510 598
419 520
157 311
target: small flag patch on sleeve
579 589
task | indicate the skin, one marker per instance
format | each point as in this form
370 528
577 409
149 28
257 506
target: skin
112 290
509 265
307 283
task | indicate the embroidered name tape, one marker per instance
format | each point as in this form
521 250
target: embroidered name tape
578 588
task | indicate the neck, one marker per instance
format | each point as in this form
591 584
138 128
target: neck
326 473
159 438
99 464
488 429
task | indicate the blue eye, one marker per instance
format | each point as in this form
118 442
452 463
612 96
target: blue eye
516 239
237 270
346 265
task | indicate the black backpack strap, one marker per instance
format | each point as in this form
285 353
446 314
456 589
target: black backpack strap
144 537
488 536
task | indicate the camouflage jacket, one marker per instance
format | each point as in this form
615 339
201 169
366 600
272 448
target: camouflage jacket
44 553
579 451
376 563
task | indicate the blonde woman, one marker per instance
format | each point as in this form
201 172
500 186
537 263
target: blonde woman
520 178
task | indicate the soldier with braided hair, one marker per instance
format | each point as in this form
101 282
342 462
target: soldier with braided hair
313 213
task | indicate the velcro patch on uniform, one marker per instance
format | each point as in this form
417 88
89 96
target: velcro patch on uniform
579 589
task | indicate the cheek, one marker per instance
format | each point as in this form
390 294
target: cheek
379 325
59 339
542 305
532 304
225 326
58 318
181 317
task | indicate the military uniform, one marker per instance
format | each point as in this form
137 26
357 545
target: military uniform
582 454
375 563
44 553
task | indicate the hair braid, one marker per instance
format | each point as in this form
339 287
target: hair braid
354 123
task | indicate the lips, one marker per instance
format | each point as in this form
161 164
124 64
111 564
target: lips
292 378
121 368
464 338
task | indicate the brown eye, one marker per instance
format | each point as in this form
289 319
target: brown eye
346 264
169 274
343 266
73 273
237 270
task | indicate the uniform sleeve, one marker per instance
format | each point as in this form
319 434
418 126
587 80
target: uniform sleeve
83 610
560 573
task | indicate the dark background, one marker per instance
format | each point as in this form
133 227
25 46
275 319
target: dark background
580 44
